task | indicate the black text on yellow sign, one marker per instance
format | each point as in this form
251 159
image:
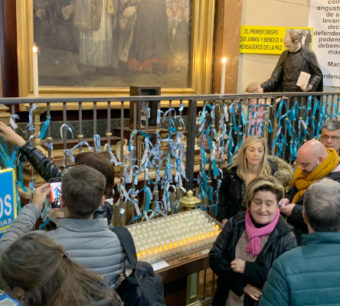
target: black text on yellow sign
266 40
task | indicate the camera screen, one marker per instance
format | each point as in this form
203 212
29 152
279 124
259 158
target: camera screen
55 190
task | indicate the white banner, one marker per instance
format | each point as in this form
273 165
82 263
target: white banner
324 17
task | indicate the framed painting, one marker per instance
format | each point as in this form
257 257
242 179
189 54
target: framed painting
101 47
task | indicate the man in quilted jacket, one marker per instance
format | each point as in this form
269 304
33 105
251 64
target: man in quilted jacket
87 241
310 274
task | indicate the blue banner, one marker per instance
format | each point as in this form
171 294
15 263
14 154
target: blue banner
6 300
8 205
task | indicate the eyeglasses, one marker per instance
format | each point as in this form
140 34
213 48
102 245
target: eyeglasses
326 137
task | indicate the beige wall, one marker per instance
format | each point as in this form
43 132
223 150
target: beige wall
258 67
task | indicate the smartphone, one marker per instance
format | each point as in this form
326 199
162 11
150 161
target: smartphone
55 192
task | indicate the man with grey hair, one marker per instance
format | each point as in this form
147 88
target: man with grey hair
294 60
330 134
310 274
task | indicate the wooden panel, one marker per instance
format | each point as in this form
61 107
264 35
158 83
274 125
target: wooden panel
227 43
9 64
1 95
1 44
185 264
175 276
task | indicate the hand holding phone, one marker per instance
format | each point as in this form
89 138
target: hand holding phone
39 196
55 192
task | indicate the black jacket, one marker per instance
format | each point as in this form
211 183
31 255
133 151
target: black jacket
231 192
47 170
230 195
309 65
43 165
280 240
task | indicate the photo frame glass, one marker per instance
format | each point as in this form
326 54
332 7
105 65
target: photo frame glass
113 43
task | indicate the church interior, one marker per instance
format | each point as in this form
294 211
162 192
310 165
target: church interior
168 91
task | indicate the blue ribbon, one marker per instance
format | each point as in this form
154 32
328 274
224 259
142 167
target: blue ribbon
230 146
70 151
42 225
30 117
44 128
282 104
316 107
12 121
97 142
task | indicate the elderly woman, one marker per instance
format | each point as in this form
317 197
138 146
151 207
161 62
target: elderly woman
249 243
250 162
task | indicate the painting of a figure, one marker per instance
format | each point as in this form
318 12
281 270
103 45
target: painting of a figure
113 43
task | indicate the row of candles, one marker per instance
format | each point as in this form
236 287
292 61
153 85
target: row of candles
172 235
36 78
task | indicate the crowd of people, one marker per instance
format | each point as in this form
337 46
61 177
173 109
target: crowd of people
279 244
81 223
262 222
267 210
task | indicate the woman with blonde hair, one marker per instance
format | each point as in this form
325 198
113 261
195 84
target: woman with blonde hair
37 272
250 162
245 250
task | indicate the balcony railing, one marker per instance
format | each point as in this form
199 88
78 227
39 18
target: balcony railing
168 144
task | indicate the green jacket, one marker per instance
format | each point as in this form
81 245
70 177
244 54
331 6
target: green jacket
307 275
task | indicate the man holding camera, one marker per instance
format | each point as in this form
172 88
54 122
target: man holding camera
86 240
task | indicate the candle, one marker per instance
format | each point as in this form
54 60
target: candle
35 71
224 65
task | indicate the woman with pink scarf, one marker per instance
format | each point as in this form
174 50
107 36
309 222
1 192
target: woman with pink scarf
249 243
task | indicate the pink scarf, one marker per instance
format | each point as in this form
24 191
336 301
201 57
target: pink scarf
255 234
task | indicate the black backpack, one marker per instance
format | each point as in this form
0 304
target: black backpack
143 287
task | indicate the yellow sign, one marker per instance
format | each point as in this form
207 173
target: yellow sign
269 40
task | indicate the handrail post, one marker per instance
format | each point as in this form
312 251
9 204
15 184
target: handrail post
190 153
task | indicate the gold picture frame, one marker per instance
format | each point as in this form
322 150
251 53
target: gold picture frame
202 30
